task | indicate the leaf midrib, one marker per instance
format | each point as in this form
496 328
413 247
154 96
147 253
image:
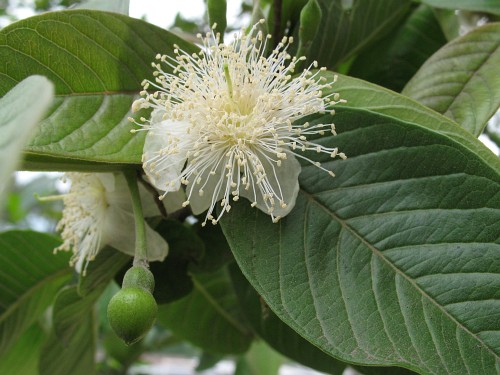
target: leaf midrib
398 271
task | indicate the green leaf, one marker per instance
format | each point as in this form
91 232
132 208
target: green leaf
30 277
76 357
488 6
209 316
276 333
74 309
20 111
70 311
217 10
395 261
285 340
347 27
74 325
396 58
363 95
23 356
259 360
97 62
462 80
75 303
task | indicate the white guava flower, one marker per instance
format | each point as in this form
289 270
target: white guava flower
98 212
223 124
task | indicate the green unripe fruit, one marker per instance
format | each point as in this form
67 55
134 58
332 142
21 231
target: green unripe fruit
131 314
139 277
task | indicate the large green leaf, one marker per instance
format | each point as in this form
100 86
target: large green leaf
70 311
23 357
363 95
392 61
30 277
396 261
347 27
209 316
20 111
276 333
71 347
97 62
462 80
489 6
75 357
285 340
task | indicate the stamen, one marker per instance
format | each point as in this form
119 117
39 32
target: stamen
228 80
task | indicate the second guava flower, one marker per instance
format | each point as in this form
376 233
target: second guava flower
224 124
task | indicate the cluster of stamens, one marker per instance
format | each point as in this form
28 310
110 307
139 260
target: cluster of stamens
83 216
238 113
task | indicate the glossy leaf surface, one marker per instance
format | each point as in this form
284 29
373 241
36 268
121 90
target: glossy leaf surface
395 261
392 61
102 58
347 27
462 80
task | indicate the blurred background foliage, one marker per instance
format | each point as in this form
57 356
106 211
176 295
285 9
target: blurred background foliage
399 53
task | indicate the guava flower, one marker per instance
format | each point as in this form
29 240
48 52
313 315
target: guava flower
98 212
224 124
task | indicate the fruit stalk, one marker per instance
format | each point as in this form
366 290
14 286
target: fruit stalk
141 252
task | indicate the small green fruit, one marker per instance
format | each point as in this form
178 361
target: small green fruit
131 313
139 277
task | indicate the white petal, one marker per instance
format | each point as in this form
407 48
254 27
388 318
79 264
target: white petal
148 201
119 196
157 115
119 232
160 168
200 203
107 180
173 200
117 192
283 178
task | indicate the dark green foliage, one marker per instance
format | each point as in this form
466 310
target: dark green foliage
393 60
